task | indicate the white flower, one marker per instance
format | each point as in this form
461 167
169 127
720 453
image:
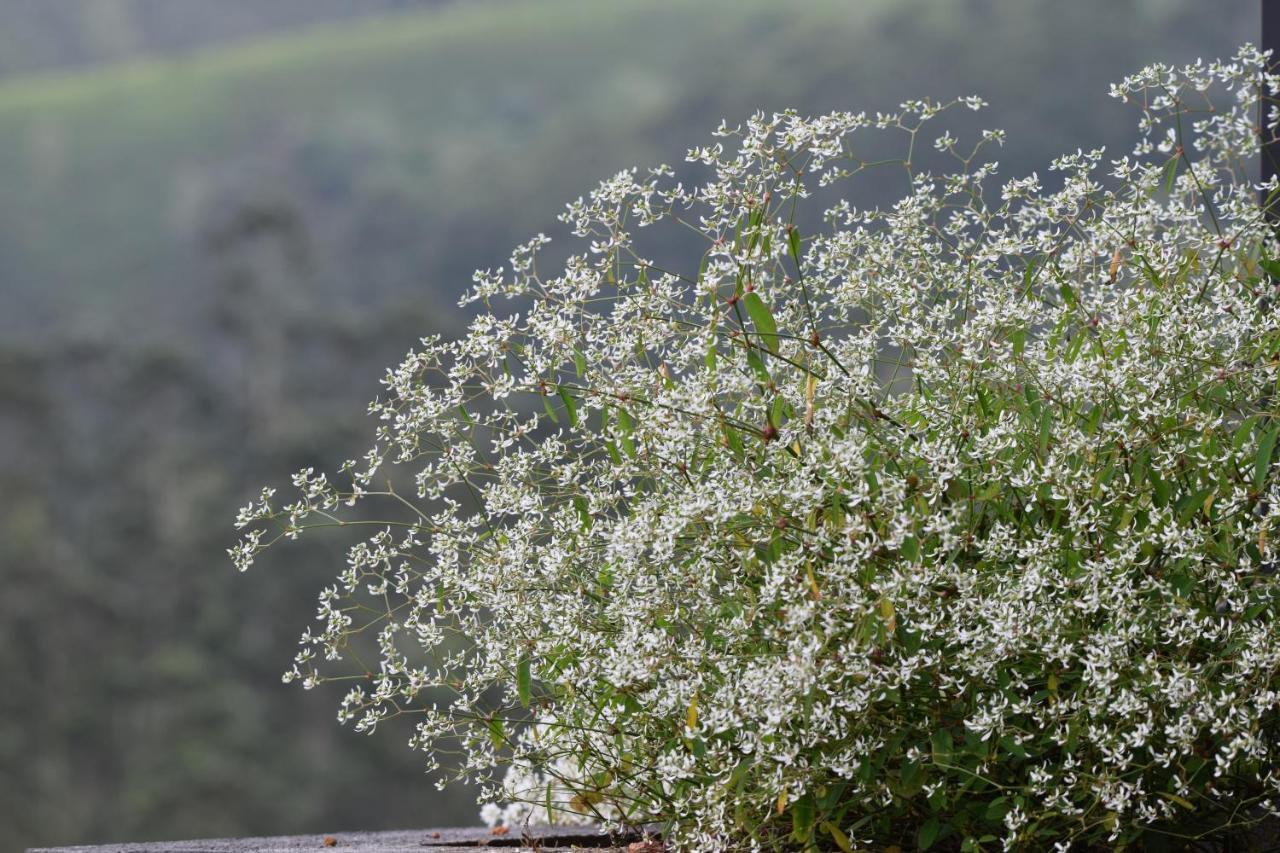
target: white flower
973 486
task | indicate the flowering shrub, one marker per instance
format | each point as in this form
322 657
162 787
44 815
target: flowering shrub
951 523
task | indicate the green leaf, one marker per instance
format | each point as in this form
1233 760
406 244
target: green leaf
1095 417
942 744
1046 428
1272 267
1262 462
1170 172
802 818
1028 278
524 681
837 835
580 503
984 402
1182 801
1189 505
739 775
1152 275
496 732
1241 435
569 406
757 366
777 413
1019 341
1068 295
928 833
732 438
626 425
763 320
793 243
1182 583
546 406
1161 489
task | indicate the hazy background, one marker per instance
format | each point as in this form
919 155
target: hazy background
220 220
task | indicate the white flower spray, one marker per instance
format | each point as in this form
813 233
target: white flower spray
948 521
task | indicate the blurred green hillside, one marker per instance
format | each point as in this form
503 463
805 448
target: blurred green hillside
468 127
40 35
208 258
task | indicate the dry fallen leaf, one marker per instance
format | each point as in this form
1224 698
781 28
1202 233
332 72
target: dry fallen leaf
330 841
500 830
645 847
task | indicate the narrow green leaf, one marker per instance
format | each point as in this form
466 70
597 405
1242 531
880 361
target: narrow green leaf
1190 504
1262 462
627 426
1161 489
1170 173
524 681
580 504
1241 435
1271 267
497 734
984 402
942 744
760 315
1068 294
1182 801
732 438
793 243
570 406
838 836
928 833
802 818
778 411
1019 341
739 774
1046 428
1095 417
757 366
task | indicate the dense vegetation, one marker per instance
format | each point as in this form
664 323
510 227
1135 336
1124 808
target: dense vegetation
947 523
316 203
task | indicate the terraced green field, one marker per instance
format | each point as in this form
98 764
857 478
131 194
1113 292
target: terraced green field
469 126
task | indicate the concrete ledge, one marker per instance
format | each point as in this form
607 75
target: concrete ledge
544 838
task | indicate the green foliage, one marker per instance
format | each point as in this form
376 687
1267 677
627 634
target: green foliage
142 697
949 525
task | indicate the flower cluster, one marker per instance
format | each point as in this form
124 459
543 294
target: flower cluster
949 522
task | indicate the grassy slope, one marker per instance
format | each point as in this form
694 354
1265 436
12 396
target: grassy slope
475 111
500 112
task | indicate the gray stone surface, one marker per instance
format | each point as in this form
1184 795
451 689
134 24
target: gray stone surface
399 841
